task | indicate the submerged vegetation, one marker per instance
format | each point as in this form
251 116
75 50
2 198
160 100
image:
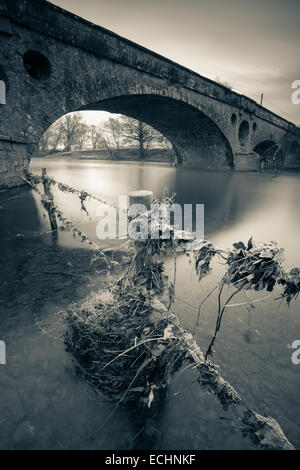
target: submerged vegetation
126 338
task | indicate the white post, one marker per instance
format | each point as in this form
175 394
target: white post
2 353
2 92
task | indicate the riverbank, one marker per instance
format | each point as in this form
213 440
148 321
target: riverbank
128 154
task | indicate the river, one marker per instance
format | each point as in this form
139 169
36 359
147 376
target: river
46 404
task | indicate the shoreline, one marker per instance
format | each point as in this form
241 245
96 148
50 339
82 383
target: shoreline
124 155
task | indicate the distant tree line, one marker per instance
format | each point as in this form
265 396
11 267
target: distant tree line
223 83
71 133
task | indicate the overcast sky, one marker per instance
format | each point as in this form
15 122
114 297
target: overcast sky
254 45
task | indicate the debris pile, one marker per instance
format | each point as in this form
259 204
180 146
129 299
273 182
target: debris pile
125 343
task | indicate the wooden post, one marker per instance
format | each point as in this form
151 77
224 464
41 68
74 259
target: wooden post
47 189
141 197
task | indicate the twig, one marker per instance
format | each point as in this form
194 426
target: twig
133 347
199 307
10 199
65 273
249 302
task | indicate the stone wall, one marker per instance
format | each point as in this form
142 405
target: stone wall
13 161
246 162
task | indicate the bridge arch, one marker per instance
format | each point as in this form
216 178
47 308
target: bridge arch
263 146
197 139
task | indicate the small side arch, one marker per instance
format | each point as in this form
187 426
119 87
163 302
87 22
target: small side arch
262 148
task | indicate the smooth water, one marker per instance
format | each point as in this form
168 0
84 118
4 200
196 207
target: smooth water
45 403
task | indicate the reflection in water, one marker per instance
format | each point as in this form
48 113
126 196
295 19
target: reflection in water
46 404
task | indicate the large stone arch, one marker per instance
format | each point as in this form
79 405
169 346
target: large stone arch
197 140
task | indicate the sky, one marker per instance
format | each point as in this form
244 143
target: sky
254 45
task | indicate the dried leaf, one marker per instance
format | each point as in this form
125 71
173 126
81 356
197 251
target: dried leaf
250 243
158 350
239 245
168 332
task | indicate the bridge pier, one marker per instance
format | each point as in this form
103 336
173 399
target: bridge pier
246 162
14 159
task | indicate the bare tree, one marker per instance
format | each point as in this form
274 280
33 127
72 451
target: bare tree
95 136
57 137
52 138
70 133
110 137
72 127
138 133
82 136
223 83
66 133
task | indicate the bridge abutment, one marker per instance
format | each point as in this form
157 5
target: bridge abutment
14 159
246 161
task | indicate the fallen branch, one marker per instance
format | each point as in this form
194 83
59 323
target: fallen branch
10 199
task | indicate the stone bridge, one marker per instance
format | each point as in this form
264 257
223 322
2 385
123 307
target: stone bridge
53 62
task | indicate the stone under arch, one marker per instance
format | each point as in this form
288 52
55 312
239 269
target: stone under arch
197 140
292 157
296 150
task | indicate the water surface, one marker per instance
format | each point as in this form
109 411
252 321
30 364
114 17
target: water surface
44 403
